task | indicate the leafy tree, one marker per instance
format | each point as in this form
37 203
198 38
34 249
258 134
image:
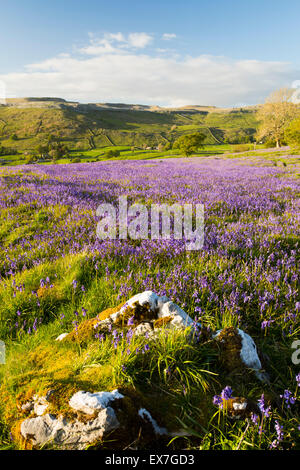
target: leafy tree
42 150
292 133
275 115
76 160
30 159
188 144
112 153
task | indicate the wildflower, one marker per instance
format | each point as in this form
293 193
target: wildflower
130 321
298 379
226 393
254 418
288 398
99 336
129 335
217 400
280 434
264 410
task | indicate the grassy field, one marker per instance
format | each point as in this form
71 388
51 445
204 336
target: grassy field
56 275
126 153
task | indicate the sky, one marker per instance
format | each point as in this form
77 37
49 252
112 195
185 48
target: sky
158 52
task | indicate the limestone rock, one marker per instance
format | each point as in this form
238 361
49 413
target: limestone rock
180 318
61 337
239 348
88 403
67 434
143 413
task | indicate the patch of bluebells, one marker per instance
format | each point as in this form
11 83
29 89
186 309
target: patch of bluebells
288 398
226 394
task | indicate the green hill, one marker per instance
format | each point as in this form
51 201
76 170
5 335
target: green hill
27 123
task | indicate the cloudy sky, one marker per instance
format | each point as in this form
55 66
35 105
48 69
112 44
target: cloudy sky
165 52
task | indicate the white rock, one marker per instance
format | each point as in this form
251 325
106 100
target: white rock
180 318
40 407
88 403
61 337
143 413
27 406
162 300
248 353
142 329
70 435
146 297
239 406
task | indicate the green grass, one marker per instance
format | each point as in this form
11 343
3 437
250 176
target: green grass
176 378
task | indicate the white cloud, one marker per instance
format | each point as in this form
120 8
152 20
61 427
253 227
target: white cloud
116 68
168 36
139 40
116 42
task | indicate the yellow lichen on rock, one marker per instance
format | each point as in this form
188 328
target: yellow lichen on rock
86 329
160 322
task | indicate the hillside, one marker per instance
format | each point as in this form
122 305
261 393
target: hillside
28 122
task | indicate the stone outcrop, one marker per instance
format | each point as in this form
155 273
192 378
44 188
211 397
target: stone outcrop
97 414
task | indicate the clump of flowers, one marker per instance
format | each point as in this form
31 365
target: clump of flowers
288 398
226 394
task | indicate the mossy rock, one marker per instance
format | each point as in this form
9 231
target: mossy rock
86 329
230 344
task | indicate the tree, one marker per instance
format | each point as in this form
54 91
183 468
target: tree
42 150
188 144
292 133
275 115
112 153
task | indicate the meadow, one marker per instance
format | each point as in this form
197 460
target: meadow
55 274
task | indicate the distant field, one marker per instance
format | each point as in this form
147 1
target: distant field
126 153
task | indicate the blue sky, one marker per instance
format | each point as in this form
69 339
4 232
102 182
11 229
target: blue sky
254 45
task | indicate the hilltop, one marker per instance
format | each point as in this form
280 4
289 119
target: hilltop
28 122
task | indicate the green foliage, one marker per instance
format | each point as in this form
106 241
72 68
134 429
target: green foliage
112 153
188 144
292 134
30 159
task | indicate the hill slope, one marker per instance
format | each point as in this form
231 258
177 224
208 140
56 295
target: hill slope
25 123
